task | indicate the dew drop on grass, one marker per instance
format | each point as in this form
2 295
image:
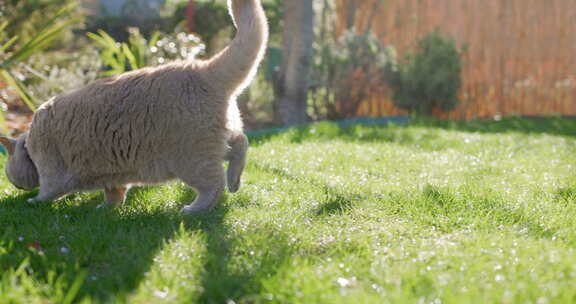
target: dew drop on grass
161 294
377 288
344 282
542 301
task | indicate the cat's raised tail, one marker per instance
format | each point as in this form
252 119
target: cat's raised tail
234 67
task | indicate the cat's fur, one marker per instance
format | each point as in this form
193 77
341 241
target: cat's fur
147 126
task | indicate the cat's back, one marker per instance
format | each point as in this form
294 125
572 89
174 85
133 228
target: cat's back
145 97
123 122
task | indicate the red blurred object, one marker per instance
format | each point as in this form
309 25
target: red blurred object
190 16
34 245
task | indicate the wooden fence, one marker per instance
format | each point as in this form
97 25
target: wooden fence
520 55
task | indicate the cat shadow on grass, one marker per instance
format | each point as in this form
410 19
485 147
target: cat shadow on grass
116 247
233 270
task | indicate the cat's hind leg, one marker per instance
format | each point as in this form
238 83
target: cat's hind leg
115 196
209 183
238 146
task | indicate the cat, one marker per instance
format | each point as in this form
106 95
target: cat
148 126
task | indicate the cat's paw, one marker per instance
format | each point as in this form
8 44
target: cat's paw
195 209
234 186
34 201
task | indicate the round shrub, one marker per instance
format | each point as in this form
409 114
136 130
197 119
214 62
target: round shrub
430 78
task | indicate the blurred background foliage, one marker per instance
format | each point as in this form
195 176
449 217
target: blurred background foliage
138 52
347 69
29 28
26 18
74 45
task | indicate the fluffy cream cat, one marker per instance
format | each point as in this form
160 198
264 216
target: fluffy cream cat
176 121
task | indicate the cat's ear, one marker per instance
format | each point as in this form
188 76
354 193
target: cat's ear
8 143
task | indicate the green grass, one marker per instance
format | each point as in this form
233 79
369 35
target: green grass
431 212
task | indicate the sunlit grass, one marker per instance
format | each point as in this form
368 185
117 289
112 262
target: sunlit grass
424 213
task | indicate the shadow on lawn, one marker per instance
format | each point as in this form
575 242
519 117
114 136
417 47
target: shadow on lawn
117 247
448 212
65 237
336 202
233 271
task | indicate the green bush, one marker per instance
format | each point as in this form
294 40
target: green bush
429 78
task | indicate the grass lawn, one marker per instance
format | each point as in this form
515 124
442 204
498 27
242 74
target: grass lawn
430 212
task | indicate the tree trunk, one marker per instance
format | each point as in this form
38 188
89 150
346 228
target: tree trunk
292 81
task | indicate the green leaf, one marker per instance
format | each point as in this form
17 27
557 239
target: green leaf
3 26
12 81
113 55
51 31
154 39
131 58
8 44
3 127
40 41
105 40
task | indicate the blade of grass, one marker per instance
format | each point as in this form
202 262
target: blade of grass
73 291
